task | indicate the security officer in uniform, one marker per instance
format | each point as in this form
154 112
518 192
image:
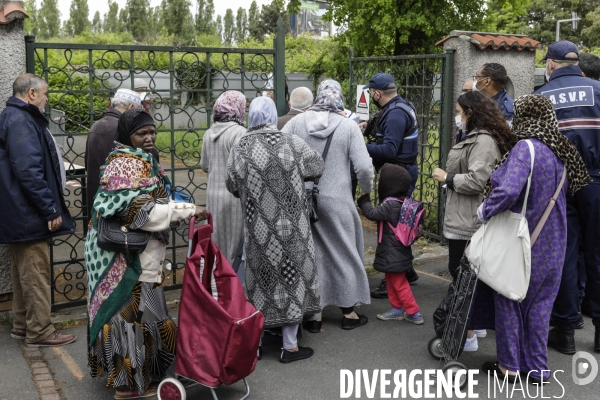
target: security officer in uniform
394 139
577 104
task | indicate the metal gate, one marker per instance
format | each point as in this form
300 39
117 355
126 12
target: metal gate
426 81
183 83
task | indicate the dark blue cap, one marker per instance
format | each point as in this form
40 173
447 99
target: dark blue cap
558 50
381 81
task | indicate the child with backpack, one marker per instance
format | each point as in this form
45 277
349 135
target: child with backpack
399 218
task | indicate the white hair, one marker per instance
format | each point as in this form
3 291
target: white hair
301 97
121 103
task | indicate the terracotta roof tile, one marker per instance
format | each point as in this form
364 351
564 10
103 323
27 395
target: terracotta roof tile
10 12
496 41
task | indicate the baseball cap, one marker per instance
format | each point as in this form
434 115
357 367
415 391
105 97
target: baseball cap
558 50
381 81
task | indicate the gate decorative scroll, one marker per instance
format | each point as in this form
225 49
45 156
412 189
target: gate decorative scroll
426 81
182 86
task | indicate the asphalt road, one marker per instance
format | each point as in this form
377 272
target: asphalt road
379 345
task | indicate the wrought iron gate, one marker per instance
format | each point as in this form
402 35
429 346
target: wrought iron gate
426 81
182 86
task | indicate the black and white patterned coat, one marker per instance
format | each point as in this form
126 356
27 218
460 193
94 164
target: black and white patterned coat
267 170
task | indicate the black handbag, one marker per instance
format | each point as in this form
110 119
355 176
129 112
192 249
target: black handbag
113 235
313 194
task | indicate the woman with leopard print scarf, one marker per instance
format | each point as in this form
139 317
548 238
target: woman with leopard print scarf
522 328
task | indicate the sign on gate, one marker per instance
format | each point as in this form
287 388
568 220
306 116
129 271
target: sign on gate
362 103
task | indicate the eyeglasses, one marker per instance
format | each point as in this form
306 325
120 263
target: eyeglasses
477 78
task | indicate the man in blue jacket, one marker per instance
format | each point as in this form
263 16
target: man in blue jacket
32 208
396 140
577 104
491 80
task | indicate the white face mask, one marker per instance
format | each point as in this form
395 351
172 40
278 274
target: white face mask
459 123
475 86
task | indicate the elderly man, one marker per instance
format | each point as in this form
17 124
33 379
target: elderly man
101 139
577 104
300 99
32 208
491 80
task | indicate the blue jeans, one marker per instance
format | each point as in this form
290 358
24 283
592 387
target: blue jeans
583 234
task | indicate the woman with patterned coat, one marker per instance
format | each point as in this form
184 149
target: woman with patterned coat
267 170
131 336
522 327
228 127
338 234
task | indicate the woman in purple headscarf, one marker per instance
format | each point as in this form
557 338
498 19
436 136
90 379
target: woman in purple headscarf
227 128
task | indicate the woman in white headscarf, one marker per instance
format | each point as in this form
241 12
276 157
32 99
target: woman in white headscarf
267 170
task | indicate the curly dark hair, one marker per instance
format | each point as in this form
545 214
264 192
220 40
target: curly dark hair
484 114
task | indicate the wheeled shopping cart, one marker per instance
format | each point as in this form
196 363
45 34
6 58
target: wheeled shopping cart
458 303
218 329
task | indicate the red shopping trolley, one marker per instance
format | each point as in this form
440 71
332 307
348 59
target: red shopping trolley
219 330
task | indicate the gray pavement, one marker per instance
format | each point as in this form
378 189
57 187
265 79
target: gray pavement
378 345
16 380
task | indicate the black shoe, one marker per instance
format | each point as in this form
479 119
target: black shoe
349 323
313 326
412 276
276 331
563 340
291 356
491 366
381 291
597 341
580 322
585 307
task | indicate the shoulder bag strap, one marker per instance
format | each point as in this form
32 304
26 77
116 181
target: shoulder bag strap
540 225
324 155
532 152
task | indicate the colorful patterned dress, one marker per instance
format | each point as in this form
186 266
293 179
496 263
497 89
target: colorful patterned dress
522 328
267 170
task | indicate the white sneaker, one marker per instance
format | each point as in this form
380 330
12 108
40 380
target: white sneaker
471 344
480 333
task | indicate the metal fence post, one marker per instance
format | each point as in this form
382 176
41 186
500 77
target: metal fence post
446 132
350 91
279 73
29 54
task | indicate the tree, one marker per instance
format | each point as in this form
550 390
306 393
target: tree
48 19
254 29
136 19
592 32
78 18
543 14
97 23
219 27
386 27
31 23
505 17
241 25
269 15
205 10
177 19
111 19
228 27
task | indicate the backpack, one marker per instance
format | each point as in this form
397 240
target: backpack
411 222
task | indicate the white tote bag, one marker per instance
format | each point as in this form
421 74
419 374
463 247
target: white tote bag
501 250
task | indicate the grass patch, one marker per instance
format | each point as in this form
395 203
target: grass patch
70 323
6 318
371 271
187 143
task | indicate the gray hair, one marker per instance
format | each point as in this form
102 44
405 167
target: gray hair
121 103
301 97
24 82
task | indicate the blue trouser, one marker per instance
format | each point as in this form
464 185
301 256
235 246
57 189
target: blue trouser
413 171
583 228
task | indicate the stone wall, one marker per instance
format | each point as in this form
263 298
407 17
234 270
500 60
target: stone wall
12 64
520 65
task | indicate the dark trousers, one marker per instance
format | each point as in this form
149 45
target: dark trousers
456 249
583 231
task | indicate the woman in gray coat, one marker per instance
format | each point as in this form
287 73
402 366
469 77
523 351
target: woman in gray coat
338 234
228 127
468 169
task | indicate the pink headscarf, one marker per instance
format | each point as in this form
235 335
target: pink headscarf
230 106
